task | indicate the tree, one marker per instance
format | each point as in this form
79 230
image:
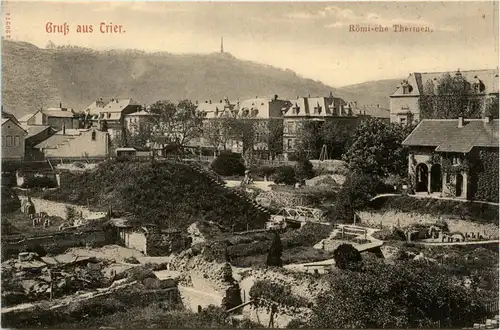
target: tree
492 108
404 295
376 148
140 136
219 132
303 169
228 164
451 97
347 257
355 194
178 123
285 174
337 135
275 252
309 140
50 45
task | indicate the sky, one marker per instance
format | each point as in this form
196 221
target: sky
312 39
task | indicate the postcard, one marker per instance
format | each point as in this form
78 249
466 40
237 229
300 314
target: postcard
249 164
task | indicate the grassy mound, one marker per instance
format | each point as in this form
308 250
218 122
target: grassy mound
167 194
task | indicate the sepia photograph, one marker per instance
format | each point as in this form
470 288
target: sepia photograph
225 164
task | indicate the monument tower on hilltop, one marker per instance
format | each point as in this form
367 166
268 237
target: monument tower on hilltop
222 45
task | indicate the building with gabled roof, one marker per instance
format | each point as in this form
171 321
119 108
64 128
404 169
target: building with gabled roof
405 102
12 140
444 156
54 117
112 114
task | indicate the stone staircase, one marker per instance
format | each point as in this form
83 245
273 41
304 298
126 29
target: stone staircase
217 179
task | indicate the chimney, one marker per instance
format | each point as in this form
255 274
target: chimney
460 121
309 95
196 102
60 105
210 102
220 101
378 105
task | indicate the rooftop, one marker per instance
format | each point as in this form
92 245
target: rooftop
35 129
447 136
417 81
118 105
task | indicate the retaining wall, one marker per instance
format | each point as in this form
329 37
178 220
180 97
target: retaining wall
54 243
56 208
390 219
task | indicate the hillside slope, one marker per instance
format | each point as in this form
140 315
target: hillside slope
34 78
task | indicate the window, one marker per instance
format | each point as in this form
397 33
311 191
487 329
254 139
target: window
289 144
17 141
93 136
109 115
3 141
402 121
317 110
9 141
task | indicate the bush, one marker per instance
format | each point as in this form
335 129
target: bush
232 298
10 200
37 248
347 257
39 182
404 295
355 194
285 174
264 171
304 169
228 164
278 293
309 235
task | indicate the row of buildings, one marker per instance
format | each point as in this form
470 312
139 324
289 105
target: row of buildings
63 133
444 153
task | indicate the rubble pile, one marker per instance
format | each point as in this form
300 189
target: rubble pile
301 285
33 278
218 273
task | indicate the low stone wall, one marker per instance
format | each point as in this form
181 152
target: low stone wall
55 243
390 219
56 208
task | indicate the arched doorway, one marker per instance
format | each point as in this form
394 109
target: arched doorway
422 177
459 185
436 178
